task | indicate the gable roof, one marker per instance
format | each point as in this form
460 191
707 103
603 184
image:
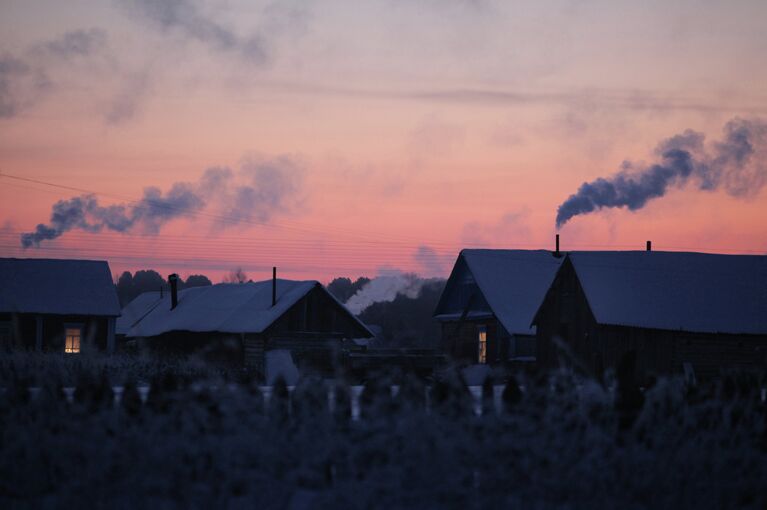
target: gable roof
58 287
513 283
137 310
695 292
224 307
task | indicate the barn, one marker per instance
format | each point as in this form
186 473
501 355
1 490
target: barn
237 323
489 302
52 305
678 312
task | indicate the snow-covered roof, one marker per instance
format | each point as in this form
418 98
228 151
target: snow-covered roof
136 310
513 282
695 292
225 307
59 287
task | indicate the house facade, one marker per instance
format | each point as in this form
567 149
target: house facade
238 323
487 307
678 312
51 305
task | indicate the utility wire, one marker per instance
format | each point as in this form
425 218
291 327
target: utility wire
290 225
392 250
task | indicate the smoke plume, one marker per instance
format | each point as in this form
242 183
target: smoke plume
735 164
385 288
432 263
260 189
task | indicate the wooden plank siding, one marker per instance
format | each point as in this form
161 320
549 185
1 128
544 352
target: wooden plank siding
20 331
311 329
460 340
565 313
253 352
463 299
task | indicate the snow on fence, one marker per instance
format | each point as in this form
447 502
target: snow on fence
205 441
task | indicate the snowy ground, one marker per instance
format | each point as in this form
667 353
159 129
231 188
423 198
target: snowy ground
204 441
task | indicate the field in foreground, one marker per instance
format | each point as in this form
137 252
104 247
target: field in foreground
197 440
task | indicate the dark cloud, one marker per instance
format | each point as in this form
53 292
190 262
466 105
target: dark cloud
189 19
261 189
21 84
25 79
77 43
730 165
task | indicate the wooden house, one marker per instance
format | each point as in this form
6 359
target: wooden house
489 302
51 305
693 312
238 323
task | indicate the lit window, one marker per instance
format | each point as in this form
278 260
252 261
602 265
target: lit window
482 341
72 340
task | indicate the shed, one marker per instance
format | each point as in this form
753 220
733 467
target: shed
57 305
238 322
706 311
489 301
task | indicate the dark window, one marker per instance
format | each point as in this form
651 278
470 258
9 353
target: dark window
6 335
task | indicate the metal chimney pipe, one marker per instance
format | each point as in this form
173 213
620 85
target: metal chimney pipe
274 286
173 280
556 252
649 245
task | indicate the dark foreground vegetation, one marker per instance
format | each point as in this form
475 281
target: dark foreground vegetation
204 438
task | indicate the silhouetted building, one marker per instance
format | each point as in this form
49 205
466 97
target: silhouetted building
675 310
55 305
237 323
489 302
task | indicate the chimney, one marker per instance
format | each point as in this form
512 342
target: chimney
556 252
649 245
274 286
173 280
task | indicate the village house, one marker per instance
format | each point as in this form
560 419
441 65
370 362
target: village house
237 323
50 305
489 302
678 312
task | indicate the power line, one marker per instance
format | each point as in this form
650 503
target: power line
387 251
325 244
289 225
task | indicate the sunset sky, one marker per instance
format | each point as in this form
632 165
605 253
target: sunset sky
358 137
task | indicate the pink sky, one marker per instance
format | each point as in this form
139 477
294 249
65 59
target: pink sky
410 129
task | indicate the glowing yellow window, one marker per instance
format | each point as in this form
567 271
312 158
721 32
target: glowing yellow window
72 340
482 344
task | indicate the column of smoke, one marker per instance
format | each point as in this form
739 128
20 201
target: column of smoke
260 189
736 164
385 288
